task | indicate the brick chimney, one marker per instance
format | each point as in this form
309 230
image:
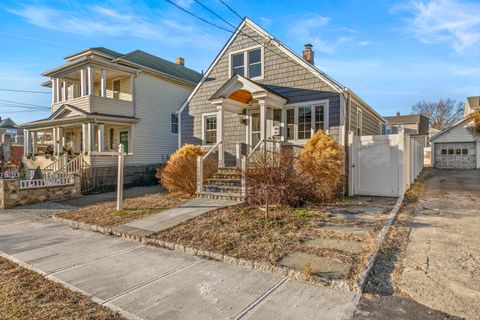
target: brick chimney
398 113
180 61
308 54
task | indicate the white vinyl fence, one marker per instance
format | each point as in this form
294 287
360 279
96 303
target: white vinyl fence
383 165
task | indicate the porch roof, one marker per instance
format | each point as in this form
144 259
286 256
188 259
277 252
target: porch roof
238 82
68 114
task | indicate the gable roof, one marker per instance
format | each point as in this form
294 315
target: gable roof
459 122
8 123
148 60
337 86
233 83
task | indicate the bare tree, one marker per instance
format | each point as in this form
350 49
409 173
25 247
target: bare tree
442 113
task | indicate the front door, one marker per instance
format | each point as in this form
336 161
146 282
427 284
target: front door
255 132
124 140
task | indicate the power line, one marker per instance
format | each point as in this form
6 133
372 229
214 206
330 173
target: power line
25 91
23 103
230 8
198 17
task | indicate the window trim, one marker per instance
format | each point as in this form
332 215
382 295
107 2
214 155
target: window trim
313 105
204 116
245 61
171 123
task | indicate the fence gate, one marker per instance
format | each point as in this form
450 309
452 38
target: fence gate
375 167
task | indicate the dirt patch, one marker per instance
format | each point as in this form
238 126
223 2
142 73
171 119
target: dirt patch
246 233
27 295
105 214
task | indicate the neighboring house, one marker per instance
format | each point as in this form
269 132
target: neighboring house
9 127
258 89
416 125
102 98
455 147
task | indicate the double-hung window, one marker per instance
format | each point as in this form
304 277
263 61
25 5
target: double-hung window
173 123
210 129
248 63
304 121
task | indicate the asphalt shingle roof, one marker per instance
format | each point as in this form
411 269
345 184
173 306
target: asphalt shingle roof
112 53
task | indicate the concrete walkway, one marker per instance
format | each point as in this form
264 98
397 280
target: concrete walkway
442 262
171 217
151 283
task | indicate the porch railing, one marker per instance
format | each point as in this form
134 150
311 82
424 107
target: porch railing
53 167
57 180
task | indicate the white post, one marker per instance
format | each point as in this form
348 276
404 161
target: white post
401 160
25 142
55 144
238 154
351 163
53 91
120 177
91 137
243 167
284 125
57 90
221 154
90 80
101 137
104 83
64 91
199 174
263 120
82 83
34 142
84 138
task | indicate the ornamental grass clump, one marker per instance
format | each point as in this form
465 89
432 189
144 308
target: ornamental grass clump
180 173
320 164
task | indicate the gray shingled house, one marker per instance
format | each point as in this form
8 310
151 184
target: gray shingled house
257 89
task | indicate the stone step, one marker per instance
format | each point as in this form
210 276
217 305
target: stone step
224 182
350 246
222 188
220 196
228 175
228 170
315 265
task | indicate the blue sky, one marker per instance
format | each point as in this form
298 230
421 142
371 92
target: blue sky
391 53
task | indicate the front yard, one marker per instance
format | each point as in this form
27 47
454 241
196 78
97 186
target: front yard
332 241
105 214
27 295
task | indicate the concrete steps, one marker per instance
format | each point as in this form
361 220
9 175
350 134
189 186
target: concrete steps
224 185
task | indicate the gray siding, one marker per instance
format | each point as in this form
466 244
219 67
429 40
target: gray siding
370 122
281 74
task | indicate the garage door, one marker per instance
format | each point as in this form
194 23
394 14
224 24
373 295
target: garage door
455 155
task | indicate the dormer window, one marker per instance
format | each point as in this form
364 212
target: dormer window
247 63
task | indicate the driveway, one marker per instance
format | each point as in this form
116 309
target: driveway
145 282
442 262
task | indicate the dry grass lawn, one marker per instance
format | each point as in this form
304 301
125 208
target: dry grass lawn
27 295
105 213
244 232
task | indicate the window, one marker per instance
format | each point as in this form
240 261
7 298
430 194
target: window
458 151
319 118
210 127
444 151
290 124
388 129
465 151
451 151
116 89
304 123
173 123
247 63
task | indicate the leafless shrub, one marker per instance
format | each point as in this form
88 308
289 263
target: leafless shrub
180 173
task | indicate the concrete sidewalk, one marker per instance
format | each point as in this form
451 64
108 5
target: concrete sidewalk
172 217
151 283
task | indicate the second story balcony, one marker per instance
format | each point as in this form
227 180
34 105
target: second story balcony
94 90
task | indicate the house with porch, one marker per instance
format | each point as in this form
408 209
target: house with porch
101 99
258 91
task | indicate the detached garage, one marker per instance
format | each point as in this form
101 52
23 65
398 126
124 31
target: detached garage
456 148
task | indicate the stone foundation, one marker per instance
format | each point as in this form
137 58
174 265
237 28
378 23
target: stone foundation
11 195
104 179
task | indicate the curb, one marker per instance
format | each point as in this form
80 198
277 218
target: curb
252 265
362 281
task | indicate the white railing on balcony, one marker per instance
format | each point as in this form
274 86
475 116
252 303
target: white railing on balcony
57 180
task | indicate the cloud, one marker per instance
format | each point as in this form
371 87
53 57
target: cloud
100 20
364 43
184 3
265 21
454 22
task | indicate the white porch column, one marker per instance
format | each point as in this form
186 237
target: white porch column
64 91
104 83
90 80
83 88
57 90
221 154
263 119
34 142
283 125
61 140
55 137
26 135
54 93
101 137
91 137
84 138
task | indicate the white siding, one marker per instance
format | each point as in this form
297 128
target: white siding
457 134
155 99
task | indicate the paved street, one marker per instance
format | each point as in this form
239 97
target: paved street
150 283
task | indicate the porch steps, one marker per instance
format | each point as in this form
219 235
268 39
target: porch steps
225 185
